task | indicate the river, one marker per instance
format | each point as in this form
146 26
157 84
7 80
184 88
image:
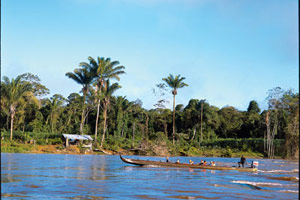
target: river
58 176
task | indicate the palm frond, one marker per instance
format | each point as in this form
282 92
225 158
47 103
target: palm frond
74 76
84 65
175 82
92 61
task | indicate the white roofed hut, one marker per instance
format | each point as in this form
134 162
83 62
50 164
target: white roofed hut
70 138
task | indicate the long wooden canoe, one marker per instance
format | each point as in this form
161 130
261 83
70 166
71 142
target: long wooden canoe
183 165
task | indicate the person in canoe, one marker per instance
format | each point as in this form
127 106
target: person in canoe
167 159
242 161
177 161
204 163
191 162
201 163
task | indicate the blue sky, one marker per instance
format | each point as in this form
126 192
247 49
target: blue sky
230 51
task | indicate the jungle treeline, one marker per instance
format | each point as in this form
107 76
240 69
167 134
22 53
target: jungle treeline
114 121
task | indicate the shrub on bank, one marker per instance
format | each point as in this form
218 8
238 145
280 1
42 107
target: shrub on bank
39 138
14 147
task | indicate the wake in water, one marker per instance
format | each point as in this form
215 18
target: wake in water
284 178
257 186
289 191
279 171
264 184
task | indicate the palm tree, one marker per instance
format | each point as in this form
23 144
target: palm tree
108 90
14 92
102 69
83 77
174 83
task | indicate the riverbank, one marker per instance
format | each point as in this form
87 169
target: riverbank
73 149
155 145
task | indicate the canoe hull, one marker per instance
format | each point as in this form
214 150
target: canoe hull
183 165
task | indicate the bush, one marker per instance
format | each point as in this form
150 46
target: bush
193 151
115 143
40 138
228 152
13 147
55 141
158 136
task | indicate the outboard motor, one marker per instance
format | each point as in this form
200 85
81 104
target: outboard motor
254 164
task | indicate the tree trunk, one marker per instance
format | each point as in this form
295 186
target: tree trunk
268 134
69 120
194 133
265 146
201 116
122 132
104 123
82 117
165 128
142 128
119 124
274 132
133 133
97 117
173 134
11 125
52 124
147 124
7 122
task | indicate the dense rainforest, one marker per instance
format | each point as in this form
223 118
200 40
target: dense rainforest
115 122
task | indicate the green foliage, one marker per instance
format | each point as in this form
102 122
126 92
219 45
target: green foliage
231 122
157 136
201 128
116 143
40 138
37 125
175 82
193 151
253 107
14 147
228 152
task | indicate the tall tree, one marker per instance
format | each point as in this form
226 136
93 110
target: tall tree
253 107
122 107
191 119
230 122
291 108
28 111
14 92
275 103
102 69
84 77
71 112
55 109
175 83
108 90
38 89
251 121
